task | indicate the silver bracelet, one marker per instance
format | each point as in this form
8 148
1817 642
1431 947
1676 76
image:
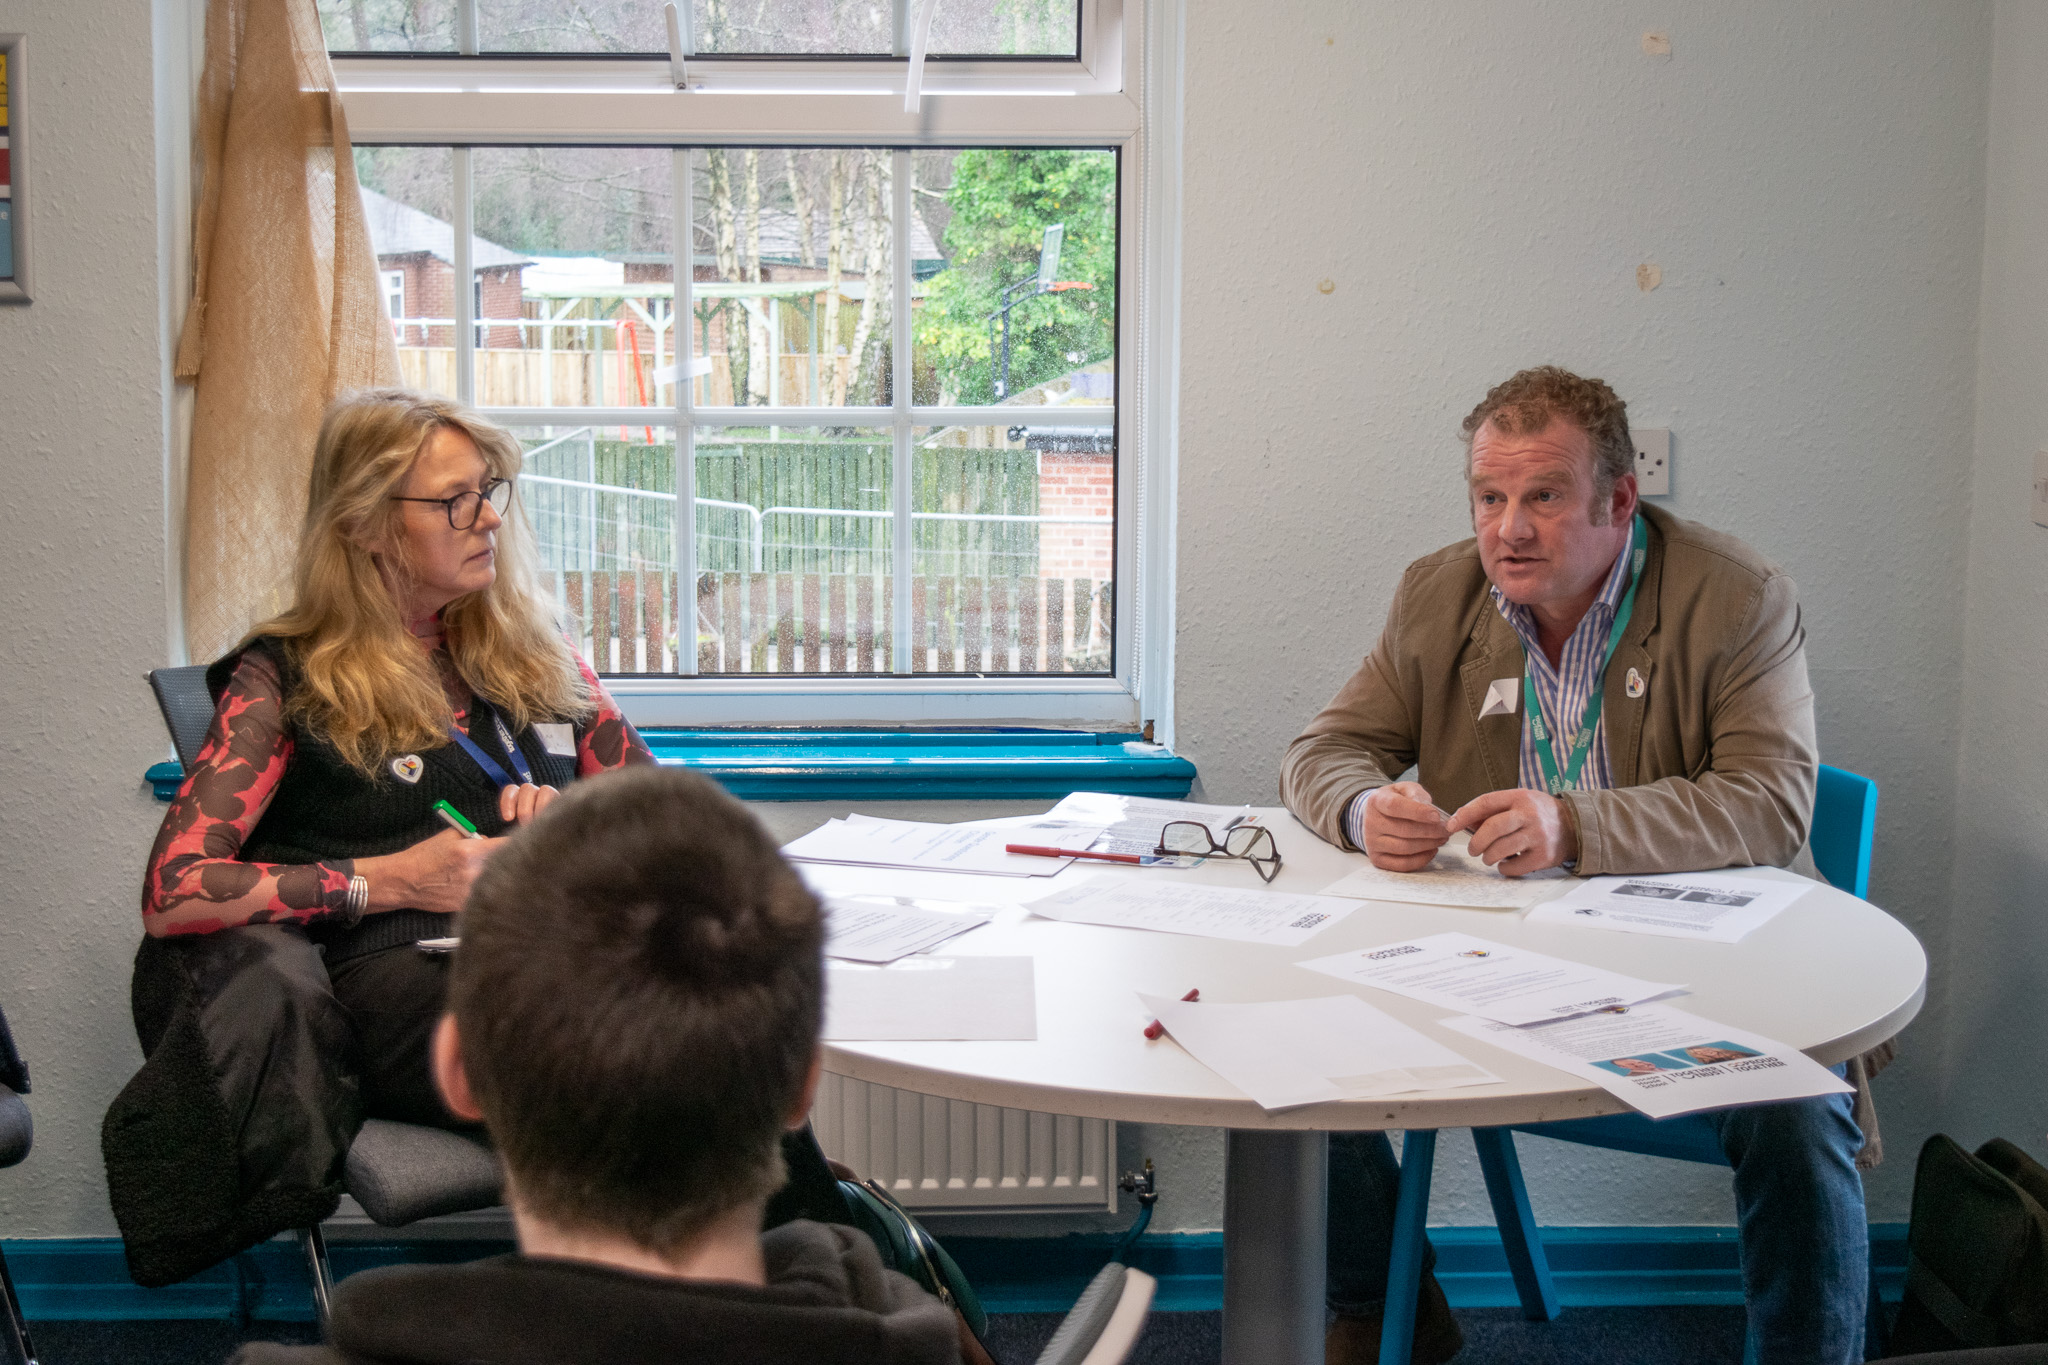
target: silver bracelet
358 899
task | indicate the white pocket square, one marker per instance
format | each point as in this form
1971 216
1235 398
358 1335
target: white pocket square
1503 695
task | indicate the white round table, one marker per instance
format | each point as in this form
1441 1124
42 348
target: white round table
1832 975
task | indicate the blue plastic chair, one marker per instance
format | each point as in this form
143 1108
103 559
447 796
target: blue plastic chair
1843 832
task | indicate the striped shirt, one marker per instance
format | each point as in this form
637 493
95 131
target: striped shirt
1563 690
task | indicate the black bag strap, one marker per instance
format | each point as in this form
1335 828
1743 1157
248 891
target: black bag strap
1971 1327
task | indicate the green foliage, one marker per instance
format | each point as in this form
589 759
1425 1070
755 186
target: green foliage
1001 202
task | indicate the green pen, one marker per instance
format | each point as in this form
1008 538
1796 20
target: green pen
453 818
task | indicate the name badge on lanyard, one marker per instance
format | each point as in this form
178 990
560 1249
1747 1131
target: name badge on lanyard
492 768
1582 740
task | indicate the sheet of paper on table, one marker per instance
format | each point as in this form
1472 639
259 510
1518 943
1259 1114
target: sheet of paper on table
884 928
924 999
1454 877
1134 822
1282 918
1492 980
1284 1053
1662 1061
1696 905
864 841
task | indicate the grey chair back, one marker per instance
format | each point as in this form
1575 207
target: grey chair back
182 696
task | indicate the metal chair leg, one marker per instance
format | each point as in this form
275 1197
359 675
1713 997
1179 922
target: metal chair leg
315 1247
1404 1268
1519 1237
14 1340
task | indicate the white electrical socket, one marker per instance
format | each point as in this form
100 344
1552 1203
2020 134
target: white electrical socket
1653 461
2041 488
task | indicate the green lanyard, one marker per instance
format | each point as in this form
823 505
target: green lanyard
1582 742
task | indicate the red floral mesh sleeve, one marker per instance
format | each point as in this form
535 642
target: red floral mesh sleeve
609 741
196 882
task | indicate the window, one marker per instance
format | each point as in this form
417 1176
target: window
828 406
394 300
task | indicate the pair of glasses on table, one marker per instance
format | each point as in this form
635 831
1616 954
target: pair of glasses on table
1252 843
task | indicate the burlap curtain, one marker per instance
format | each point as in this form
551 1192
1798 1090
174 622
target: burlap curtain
285 312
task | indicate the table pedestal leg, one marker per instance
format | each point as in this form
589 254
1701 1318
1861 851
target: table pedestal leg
1274 1253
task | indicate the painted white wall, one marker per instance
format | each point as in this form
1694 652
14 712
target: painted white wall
82 555
1477 183
1390 207
1998 939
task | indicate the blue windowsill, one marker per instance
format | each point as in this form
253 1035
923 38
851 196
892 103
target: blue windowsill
966 764
901 765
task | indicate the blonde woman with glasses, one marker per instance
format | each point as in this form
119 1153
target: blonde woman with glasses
280 993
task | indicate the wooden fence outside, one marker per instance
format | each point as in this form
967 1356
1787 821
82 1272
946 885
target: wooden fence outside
839 623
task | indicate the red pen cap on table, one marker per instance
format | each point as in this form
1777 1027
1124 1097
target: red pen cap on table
1155 1030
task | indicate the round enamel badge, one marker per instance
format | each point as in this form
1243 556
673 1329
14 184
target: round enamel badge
407 768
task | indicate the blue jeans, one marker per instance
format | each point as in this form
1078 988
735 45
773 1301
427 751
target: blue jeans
1798 1201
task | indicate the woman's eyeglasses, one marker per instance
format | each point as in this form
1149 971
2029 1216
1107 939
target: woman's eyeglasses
464 508
1253 843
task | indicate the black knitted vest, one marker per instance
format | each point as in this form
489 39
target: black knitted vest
323 809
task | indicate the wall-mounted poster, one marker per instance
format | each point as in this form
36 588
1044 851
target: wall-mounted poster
13 225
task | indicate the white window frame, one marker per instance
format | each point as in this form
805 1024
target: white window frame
1121 94
392 286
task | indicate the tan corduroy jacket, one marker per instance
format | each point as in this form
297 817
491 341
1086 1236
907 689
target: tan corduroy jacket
1713 763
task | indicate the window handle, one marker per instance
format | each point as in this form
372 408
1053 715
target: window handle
678 44
920 38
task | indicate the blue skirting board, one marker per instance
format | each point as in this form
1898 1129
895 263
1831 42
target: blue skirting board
86 1278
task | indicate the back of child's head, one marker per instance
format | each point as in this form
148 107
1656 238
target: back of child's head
638 991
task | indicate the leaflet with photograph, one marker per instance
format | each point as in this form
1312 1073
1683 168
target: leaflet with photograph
1284 1053
1662 1061
1696 905
1280 918
1476 976
865 841
884 928
1134 822
925 999
1453 877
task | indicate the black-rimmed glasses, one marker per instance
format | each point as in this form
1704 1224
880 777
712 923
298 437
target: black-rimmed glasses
464 508
1253 843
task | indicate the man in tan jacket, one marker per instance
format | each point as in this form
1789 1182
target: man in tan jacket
1592 684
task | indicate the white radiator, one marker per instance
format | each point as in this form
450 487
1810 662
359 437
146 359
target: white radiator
933 1153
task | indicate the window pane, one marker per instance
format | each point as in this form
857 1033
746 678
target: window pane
571 26
1037 28
388 25
409 199
837 27
793 550
575 278
1014 546
602 504
792 276
1024 309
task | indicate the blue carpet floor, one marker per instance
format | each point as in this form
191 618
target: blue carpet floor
1493 1336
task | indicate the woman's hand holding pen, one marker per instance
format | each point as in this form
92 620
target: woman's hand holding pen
433 875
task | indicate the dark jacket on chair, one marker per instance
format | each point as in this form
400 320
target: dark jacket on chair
828 1302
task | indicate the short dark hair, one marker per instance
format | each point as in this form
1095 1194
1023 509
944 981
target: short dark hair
1526 403
638 993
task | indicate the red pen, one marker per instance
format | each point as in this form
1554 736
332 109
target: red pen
1040 851
1155 1029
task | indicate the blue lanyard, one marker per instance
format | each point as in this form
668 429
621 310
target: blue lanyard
1582 741
492 768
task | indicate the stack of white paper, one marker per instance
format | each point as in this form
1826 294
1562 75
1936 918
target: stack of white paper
884 928
1476 976
1290 1052
1242 913
864 841
1694 905
1453 877
932 998
1663 1061
1133 823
